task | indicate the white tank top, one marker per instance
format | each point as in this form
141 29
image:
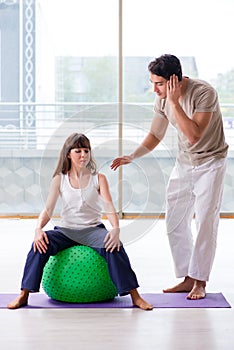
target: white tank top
81 208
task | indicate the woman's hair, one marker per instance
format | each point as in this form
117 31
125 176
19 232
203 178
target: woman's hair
75 140
165 66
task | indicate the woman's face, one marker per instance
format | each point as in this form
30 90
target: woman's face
80 157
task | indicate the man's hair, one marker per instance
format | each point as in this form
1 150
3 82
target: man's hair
165 66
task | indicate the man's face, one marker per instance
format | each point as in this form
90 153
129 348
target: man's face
160 85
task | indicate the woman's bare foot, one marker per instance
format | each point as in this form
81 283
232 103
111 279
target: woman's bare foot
185 286
143 304
20 301
138 301
198 291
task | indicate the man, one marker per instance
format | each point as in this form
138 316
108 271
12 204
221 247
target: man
196 183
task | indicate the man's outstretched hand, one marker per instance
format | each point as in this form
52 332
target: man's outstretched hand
117 162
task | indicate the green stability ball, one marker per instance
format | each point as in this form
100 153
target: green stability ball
78 275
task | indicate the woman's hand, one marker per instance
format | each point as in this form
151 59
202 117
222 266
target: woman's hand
112 241
40 241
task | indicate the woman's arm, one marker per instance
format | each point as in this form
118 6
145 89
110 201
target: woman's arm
112 238
41 240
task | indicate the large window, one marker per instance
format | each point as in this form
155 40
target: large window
82 66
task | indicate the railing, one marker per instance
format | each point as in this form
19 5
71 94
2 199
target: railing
29 146
32 125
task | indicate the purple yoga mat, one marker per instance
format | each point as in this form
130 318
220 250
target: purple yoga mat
158 300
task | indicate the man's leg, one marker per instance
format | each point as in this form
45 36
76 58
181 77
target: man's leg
208 179
179 214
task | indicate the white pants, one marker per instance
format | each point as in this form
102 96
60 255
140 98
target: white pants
194 190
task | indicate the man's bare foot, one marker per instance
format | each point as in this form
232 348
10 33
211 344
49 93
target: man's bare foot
20 301
138 301
198 291
185 286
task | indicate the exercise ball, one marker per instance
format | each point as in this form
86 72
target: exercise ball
78 275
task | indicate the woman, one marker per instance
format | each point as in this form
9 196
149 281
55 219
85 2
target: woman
82 190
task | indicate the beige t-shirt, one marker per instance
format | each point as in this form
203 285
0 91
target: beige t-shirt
199 97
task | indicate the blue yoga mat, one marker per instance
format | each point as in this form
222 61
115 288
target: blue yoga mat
158 300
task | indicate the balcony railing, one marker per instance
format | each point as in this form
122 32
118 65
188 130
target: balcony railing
32 125
32 134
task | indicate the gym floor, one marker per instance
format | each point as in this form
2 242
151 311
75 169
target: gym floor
94 329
